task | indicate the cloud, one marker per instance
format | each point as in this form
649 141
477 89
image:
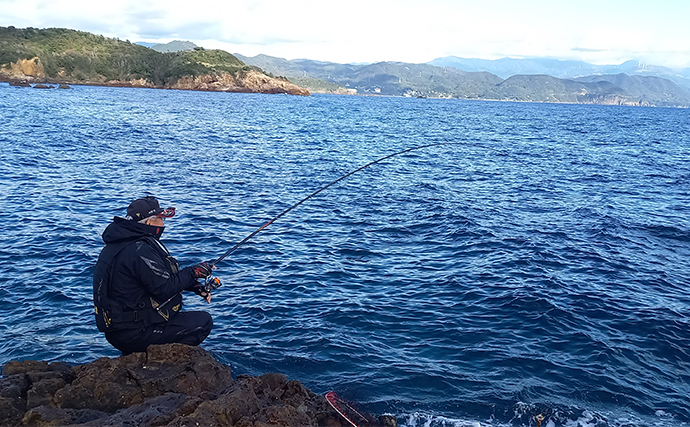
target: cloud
584 49
400 30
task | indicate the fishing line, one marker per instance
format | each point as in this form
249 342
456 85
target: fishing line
255 232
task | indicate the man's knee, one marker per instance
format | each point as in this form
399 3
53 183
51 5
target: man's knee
206 326
197 325
199 319
129 340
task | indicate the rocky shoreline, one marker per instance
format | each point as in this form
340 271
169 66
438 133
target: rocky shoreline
169 385
254 83
25 72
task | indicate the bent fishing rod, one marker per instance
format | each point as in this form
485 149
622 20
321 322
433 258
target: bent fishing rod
212 282
255 232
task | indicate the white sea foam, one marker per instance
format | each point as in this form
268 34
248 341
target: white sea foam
418 419
586 419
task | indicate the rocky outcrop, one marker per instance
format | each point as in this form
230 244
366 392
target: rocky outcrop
24 69
244 81
24 72
127 83
169 385
250 81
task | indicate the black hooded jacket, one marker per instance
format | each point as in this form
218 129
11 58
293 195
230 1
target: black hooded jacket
135 276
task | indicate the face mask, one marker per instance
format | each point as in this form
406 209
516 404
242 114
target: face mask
154 231
157 231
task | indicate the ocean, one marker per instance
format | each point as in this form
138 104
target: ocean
538 265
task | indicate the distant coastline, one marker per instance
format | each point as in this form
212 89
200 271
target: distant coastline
58 55
57 84
649 87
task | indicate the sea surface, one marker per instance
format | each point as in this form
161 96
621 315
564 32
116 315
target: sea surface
538 264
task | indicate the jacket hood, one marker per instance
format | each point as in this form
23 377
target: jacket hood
121 229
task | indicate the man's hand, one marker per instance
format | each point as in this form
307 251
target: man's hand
202 270
203 293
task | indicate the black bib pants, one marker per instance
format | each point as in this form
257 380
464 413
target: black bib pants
187 327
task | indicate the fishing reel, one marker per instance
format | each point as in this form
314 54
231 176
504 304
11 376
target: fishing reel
211 283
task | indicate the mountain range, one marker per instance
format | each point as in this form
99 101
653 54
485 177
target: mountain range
508 67
528 80
173 46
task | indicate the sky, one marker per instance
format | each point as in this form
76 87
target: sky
364 31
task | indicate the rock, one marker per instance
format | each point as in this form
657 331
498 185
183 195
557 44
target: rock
42 392
28 384
388 421
12 402
158 411
64 86
112 384
169 385
44 416
22 83
42 86
23 69
36 369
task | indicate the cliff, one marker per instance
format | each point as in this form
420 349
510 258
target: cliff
57 55
169 385
25 69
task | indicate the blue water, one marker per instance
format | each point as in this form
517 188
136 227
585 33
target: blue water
540 265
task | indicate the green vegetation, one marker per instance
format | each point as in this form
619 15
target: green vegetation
215 60
77 56
317 85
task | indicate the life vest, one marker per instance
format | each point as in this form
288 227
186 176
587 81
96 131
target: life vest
111 314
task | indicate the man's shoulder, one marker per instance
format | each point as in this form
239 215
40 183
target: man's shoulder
133 245
149 245
111 249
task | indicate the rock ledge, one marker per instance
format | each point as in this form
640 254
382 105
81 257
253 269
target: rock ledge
169 385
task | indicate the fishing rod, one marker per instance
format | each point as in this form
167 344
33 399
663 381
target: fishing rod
213 282
255 232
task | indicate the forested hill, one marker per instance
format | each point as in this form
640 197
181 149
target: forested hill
59 55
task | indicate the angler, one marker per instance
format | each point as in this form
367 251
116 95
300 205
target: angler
137 284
